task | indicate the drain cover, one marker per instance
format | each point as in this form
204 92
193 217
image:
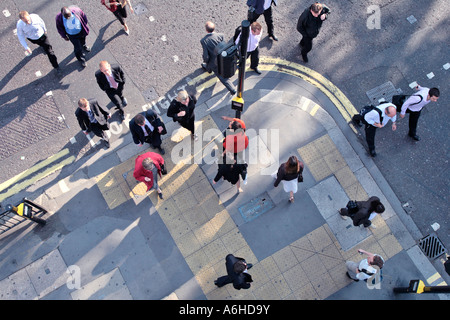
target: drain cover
432 246
256 207
140 8
384 91
150 94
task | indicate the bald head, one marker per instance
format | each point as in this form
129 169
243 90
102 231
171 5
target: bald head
210 26
390 111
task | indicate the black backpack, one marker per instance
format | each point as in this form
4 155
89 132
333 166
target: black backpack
399 100
367 109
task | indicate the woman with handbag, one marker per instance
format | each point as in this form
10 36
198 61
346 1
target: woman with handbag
290 174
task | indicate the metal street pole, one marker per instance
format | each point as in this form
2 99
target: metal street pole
417 286
237 103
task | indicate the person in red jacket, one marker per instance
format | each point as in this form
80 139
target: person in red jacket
147 168
118 8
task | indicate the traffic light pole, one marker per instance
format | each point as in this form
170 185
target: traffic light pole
417 286
237 102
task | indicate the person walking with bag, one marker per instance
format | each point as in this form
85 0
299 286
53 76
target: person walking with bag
290 174
365 212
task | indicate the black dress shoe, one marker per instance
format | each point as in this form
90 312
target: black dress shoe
160 195
273 37
415 137
256 70
305 57
249 266
373 154
161 150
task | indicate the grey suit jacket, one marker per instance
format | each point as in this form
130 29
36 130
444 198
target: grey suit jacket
209 42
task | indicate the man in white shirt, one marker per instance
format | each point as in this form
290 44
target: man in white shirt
32 27
378 117
414 104
252 45
259 7
366 267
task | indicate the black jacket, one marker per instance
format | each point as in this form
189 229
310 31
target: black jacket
100 114
231 172
239 281
138 134
118 75
283 175
308 25
176 107
365 208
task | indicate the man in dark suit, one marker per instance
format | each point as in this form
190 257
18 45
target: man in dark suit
111 79
148 127
259 7
309 24
92 117
237 273
209 43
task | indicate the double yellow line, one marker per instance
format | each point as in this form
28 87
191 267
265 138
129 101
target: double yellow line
30 176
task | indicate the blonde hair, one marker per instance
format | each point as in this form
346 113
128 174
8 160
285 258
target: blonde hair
182 95
83 102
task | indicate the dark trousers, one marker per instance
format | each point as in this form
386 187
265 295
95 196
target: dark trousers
45 44
189 124
224 280
413 120
79 43
226 82
116 96
370 136
369 129
306 44
254 58
98 131
154 139
267 17
121 14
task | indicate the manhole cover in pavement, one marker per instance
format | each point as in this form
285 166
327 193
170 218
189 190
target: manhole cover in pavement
432 246
256 207
150 94
140 8
384 91
42 119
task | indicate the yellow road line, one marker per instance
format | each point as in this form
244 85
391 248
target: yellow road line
26 183
33 169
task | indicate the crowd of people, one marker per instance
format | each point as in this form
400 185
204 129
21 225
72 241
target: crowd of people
147 127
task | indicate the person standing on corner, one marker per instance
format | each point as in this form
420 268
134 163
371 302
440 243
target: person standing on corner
32 27
119 9
414 105
72 25
258 7
290 173
309 24
111 79
181 110
252 45
365 268
209 43
377 117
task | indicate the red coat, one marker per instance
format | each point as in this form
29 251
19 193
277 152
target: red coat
140 173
